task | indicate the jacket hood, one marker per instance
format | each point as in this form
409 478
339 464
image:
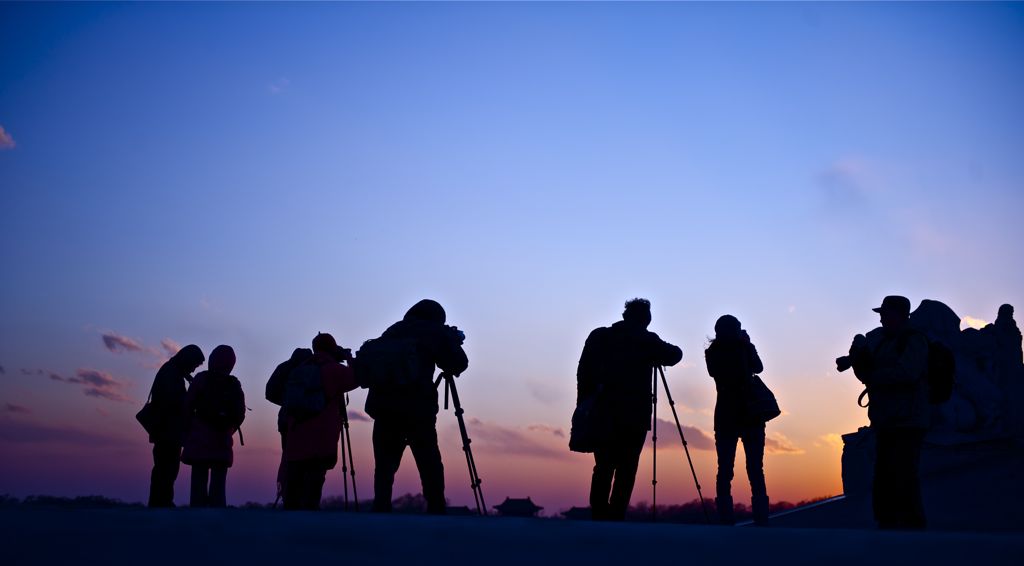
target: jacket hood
189 357
428 310
222 359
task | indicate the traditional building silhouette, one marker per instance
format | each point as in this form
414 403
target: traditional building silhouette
518 508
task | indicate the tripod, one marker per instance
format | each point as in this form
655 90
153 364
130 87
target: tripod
474 477
349 466
654 428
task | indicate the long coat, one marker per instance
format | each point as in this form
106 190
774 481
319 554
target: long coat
210 443
732 362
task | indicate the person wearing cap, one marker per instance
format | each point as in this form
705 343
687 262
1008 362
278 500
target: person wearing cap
732 359
892 364
168 402
312 440
615 372
215 406
406 414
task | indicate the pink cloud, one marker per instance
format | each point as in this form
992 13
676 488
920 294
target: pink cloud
117 343
6 141
170 346
777 443
97 384
547 429
499 439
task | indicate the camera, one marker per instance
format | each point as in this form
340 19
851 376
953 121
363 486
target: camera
459 335
859 355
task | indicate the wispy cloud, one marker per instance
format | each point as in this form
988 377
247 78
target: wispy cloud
97 384
498 439
668 436
547 429
777 443
170 346
117 343
6 141
833 440
17 409
278 86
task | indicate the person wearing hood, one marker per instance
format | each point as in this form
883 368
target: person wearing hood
615 370
168 402
732 360
215 406
275 393
405 414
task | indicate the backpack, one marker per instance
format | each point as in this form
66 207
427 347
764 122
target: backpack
304 395
216 403
387 362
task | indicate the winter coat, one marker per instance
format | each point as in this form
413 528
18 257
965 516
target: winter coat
209 441
897 380
316 437
732 362
437 345
616 369
169 389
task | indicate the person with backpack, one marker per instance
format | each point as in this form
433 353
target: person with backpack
313 402
732 361
167 400
614 377
275 392
215 406
893 363
398 370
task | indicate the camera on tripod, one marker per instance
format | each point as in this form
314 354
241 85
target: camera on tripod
858 357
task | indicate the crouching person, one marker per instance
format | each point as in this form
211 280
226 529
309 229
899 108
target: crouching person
215 405
314 400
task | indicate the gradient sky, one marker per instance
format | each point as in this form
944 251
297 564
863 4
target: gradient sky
251 174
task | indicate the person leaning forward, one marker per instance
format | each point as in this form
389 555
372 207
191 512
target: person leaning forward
892 362
405 414
169 390
615 371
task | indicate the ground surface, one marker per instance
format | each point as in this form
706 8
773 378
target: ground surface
248 537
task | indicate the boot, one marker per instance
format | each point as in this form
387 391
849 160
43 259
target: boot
759 505
725 511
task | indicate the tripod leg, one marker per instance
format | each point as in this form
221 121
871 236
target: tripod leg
344 466
351 460
654 450
675 415
474 477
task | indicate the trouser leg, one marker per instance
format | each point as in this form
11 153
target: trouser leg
166 464
218 486
904 488
388 446
883 492
294 487
753 449
725 447
631 444
198 496
601 483
422 436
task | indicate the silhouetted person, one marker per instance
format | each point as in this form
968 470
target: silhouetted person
405 414
892 362
732 359
275 392
313 436
216 408
616 370
1008 342
169 403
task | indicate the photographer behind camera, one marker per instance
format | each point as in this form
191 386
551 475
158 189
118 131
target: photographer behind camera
892 362
398 370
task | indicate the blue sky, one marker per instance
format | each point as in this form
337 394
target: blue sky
252 174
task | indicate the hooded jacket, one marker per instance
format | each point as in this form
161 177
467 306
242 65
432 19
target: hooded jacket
169 389
316 438
209 442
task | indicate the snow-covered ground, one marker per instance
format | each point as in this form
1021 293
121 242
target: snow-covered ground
246 537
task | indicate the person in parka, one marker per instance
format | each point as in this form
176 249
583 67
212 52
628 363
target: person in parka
275 392
312 446
732 360
168 400
215 406
406 415
892 362
615 369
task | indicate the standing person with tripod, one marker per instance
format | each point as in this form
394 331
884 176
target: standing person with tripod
314 405
732 361
398 369
614 376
